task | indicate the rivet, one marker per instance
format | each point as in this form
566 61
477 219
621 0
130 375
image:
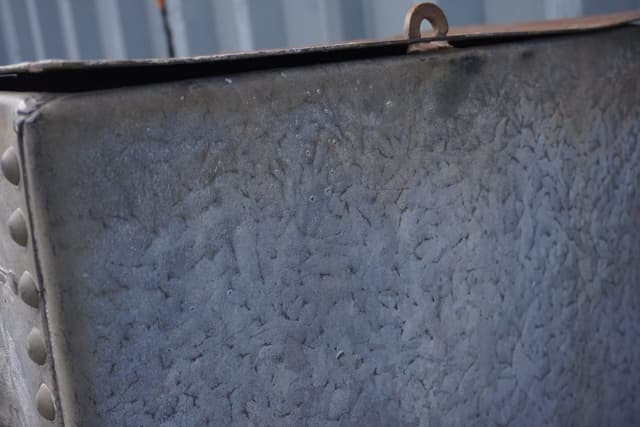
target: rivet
35 347
44 403
10 166
28 290
18 228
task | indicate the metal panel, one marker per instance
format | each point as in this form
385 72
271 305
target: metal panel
442 239
36 29
265 17
110 29
464 12
45 25
9 33
192 27
599 6
300 29
4 58
383 16
138 32
16 30
502 11
156 36
68 26
565 9
33 29
83 37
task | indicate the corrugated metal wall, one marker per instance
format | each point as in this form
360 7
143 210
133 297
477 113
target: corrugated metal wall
115 29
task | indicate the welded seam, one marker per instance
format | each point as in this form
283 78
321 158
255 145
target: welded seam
25 116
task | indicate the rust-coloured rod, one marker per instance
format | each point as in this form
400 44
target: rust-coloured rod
162 5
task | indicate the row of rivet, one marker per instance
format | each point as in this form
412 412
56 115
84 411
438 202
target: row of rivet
27 288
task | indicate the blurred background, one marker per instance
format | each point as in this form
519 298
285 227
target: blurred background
118 29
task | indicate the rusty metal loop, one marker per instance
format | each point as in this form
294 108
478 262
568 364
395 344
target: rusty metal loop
419 13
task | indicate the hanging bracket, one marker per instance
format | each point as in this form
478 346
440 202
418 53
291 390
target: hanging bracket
413 20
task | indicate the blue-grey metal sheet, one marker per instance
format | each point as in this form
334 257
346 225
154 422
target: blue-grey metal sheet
446 238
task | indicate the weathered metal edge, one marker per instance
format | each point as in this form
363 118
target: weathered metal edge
31 284
461 35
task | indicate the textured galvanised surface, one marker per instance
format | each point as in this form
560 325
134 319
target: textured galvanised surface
423 240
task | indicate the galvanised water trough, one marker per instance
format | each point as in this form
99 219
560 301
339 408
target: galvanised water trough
353 235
